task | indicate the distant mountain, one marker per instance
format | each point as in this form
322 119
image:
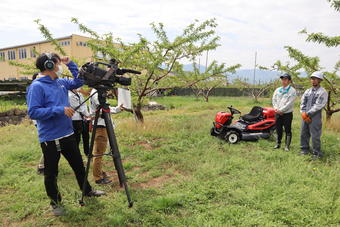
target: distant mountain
261 76
190 67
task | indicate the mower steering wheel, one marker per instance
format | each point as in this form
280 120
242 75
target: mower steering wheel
233 110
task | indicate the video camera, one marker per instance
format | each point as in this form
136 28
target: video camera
94 76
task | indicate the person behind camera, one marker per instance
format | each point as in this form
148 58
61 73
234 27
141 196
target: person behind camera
48 104
79 118
101 140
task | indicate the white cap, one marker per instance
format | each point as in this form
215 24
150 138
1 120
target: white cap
317 74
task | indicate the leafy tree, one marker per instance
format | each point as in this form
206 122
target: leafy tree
321 38
159 60
25 68
214 76
256 90
48 36
311 64
335 4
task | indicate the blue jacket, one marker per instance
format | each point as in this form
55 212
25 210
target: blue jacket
46 99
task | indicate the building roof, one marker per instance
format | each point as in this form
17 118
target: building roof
39 42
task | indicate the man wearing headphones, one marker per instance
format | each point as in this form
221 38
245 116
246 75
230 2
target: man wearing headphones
48 104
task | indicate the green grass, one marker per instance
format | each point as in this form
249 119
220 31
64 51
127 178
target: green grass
180 176
10 102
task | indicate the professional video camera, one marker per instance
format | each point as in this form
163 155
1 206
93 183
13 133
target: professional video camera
94 76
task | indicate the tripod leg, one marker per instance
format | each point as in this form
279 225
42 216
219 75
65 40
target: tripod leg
89 157
115 153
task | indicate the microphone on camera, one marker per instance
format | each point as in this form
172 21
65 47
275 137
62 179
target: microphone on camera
123 71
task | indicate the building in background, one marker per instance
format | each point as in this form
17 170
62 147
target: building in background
74 45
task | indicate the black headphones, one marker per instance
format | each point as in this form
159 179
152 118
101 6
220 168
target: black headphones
49 64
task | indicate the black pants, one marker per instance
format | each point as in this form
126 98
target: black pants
86 137
285 121
81 129
70 151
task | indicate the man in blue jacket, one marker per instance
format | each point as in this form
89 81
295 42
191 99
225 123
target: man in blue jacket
48 104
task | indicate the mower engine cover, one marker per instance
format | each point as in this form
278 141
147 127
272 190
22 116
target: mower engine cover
221 118
268 112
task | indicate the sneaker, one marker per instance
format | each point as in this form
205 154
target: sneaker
104 174
317 155
103 181
277 146
58 210
304 152
40 170
95 193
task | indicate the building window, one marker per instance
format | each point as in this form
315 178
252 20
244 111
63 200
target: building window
32 51
82 44
65 43
2 56
22 53
23 78
11 55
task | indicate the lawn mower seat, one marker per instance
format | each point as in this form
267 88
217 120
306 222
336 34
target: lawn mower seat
254 114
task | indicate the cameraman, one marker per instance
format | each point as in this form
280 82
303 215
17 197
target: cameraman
40 168
48 104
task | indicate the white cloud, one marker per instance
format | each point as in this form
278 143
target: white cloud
264 26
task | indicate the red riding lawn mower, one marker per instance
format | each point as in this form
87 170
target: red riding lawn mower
259 123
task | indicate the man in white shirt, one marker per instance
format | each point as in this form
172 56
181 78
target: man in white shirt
79 117
283 103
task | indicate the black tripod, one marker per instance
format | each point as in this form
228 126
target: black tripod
114 151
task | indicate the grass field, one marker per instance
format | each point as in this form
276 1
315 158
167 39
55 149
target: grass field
7 103
180 176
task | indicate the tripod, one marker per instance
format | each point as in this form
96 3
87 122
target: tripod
114 151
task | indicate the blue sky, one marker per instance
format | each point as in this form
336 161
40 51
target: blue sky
245 26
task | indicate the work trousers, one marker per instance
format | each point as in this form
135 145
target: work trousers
99 149
314 130
284 121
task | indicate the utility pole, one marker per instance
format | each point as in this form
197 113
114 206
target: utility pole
255 68
199 65
206 61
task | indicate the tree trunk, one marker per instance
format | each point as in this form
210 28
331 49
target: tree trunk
196 93
138 113
206 98
328 116
206 94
